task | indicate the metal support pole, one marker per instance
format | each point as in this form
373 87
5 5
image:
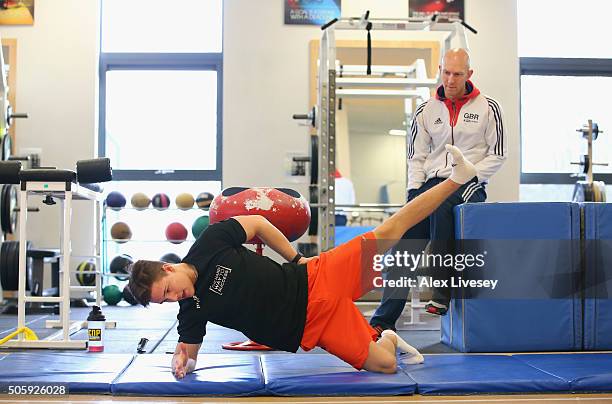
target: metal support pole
66 251
331 163
97 251
590 151
21 297
327 139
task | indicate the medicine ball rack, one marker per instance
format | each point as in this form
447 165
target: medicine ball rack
330 86
112 215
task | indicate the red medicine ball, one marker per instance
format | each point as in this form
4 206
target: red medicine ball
176 233
285 208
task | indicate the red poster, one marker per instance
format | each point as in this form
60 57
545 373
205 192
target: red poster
445 8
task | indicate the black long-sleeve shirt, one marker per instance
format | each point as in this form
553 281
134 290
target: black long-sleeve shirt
236 288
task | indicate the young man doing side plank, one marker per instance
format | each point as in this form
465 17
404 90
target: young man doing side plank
305 303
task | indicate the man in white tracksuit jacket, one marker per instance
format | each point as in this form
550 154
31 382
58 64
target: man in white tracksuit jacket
459 115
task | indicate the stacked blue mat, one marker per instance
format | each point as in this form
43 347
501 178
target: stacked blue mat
598 276
529 246
309 374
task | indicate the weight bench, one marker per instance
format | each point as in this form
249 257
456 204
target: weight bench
66 186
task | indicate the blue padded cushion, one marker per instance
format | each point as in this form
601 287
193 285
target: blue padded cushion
473 374
326 375
518 324
584 372
598 299
347 233
518 220
83 372
215 375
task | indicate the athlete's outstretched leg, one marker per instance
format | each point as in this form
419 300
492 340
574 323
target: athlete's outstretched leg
391 230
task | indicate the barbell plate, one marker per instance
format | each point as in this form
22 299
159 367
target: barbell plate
10 263
314 160
313 227
599 191
12 270
6 147
3 207
3 270
12 211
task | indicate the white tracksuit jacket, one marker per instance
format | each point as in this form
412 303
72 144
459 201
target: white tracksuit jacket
473 123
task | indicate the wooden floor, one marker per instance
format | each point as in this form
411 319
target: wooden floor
542 398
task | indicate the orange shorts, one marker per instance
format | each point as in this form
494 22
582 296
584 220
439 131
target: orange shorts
335 280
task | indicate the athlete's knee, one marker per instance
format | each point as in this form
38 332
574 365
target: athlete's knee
381 361
388 364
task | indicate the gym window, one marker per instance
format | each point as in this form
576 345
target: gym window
161 75
565 77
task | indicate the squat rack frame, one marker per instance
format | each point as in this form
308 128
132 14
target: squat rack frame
324 121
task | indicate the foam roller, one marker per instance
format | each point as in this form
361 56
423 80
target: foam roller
94 170
9 172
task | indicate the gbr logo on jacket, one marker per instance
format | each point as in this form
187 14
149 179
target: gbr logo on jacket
470 117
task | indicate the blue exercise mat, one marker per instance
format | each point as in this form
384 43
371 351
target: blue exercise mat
215 375
598 276
83 372
479 374
590 372
326 375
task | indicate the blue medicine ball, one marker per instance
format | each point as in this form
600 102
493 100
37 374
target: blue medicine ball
115 200
171 258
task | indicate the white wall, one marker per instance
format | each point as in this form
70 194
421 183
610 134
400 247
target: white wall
494 58
265 82
57 87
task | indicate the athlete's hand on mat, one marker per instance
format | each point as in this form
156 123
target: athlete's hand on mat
304 260
179 361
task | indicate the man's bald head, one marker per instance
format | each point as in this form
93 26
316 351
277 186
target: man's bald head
457 56
455 72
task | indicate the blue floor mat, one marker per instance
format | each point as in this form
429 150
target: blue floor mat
478 374
215 375
83 372
585 372
326 375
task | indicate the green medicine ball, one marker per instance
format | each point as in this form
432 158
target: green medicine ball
140 201
184 201
200 224
84 278
112 294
